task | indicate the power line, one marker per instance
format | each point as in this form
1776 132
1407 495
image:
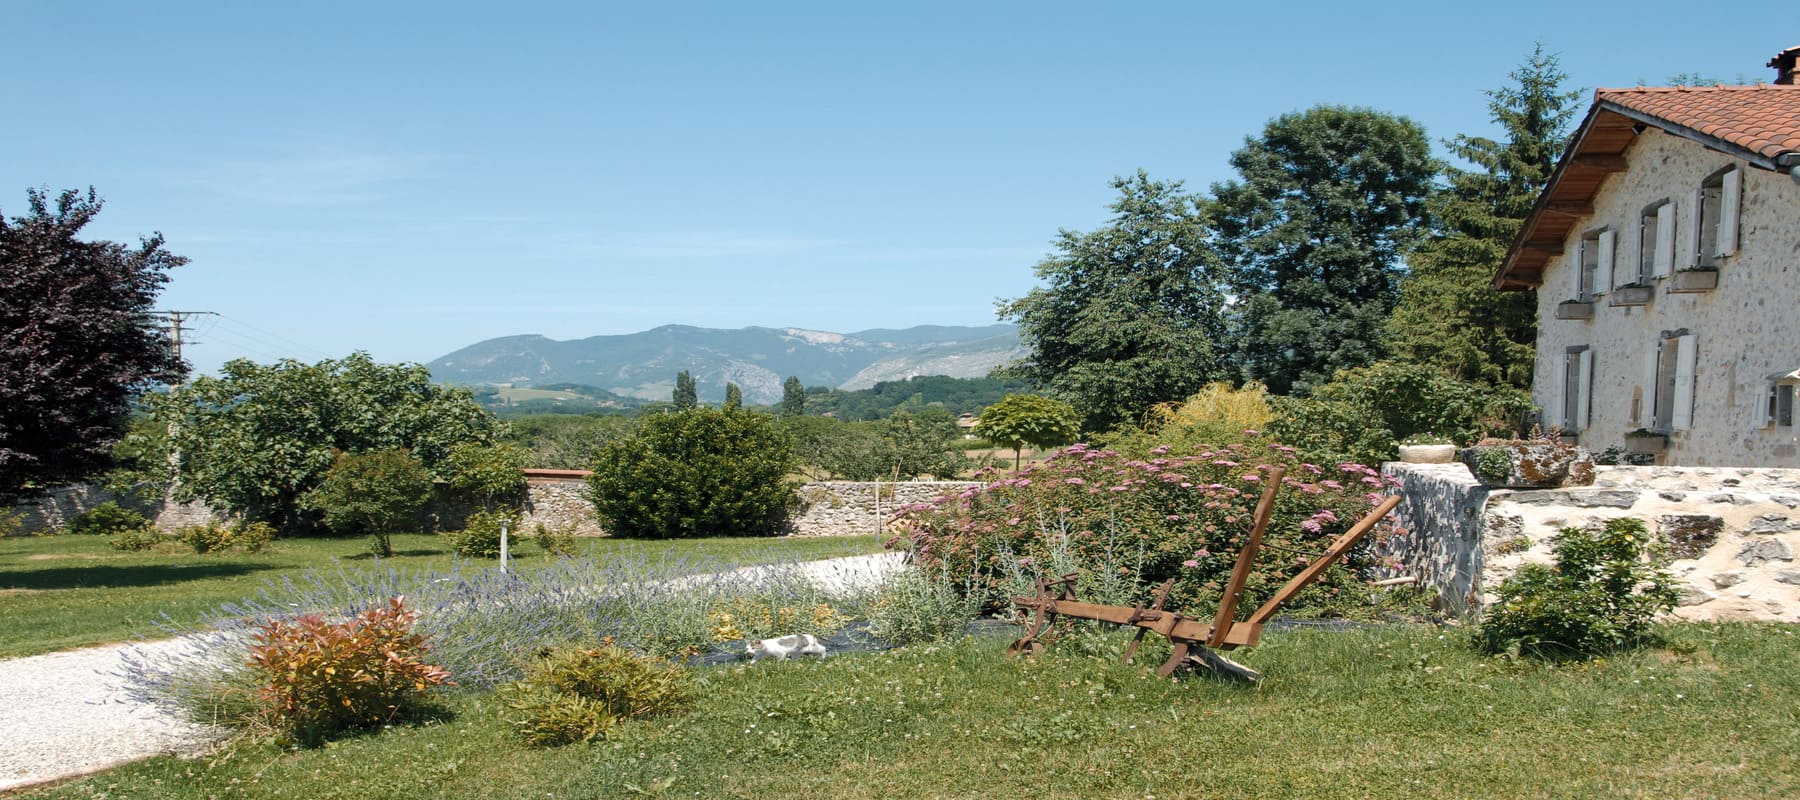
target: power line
175 320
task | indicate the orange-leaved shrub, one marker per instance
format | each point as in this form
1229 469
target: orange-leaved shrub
320 678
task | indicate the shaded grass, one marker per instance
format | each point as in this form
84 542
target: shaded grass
61 592
1394 712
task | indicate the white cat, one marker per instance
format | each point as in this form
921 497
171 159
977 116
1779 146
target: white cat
785 647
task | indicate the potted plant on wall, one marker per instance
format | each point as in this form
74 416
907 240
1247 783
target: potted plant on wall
1644 441
1632 294
1427 448
1695 279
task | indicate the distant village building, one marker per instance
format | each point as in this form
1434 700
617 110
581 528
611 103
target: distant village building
1665 252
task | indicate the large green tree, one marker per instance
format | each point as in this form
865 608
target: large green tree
1449 315
1131 314
76 341
1325 203
258 437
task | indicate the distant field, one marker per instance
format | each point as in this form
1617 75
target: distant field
512 394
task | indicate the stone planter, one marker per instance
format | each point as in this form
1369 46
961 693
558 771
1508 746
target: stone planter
1632 296
1427 453
1646 445
1694 280
1529 465
1574 309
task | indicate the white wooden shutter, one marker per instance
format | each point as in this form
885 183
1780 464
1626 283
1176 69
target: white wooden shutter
1580 267
1584 390
1647 405
1603 272
1665 240
1730 196
1696 202
1684 383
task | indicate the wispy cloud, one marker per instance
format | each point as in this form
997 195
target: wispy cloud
697 244
318 178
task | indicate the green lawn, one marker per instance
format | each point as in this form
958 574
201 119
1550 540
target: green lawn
61 592
1397 712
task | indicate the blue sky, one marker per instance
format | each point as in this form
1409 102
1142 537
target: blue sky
410 178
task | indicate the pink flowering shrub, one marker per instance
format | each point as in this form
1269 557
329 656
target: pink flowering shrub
1138 522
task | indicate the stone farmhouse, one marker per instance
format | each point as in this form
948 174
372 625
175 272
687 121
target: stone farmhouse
1665 252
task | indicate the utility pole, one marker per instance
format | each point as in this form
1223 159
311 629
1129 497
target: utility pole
175 320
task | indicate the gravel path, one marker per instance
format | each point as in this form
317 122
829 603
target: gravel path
66 714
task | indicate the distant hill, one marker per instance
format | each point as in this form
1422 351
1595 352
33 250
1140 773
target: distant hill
643 365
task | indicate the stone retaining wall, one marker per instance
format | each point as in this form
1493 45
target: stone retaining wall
847 508
1732 532
556 499
827 508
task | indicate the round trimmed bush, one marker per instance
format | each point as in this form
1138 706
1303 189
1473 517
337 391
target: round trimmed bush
696 472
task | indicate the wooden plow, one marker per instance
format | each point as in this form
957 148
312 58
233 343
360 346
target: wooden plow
1196 642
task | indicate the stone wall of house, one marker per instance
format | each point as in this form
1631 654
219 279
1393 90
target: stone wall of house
849 508
1744 330
1733 533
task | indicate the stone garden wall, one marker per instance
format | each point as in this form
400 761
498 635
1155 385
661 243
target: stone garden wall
1732 532
827 508
848 508
555 498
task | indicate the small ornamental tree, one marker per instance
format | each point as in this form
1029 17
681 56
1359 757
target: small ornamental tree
698 472
371 493
1028 419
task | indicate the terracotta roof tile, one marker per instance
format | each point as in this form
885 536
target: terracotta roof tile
1764 119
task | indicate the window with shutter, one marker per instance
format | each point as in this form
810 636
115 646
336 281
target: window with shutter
1654 226
1676 357
1716 208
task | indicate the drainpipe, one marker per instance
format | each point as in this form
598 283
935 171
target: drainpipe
1791 163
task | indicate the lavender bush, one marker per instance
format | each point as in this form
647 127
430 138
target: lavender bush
484 626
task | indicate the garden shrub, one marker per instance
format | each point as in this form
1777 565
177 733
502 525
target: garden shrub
1216 415
557 541
213 537
105 519
320 678
1127 524
579 694
135 539
252 537
697 472
1602 594
480 536
205 538
371 493
1364 413
913 607
10 522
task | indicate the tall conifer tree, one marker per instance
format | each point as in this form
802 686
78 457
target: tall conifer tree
1449 315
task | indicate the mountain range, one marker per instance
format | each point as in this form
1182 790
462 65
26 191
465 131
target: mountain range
643 365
